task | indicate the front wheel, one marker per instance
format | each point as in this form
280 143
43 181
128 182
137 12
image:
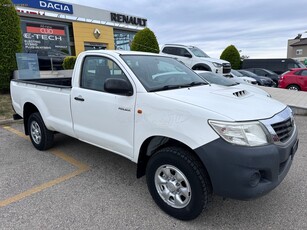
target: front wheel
40 136
178 183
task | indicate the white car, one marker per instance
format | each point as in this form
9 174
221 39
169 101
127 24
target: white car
240 78
218 79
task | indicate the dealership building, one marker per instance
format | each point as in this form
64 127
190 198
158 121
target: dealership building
57 29
297 49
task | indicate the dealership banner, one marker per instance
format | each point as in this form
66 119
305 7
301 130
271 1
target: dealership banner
45 39
46 5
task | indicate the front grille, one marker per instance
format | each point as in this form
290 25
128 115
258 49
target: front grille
226 68
284 129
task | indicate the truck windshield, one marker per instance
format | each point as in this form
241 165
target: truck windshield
198 52
158 73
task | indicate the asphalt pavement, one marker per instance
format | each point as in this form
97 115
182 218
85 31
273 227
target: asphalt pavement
79 186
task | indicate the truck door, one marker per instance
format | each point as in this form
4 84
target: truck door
101 118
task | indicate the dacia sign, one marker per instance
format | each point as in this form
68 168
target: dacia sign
45 5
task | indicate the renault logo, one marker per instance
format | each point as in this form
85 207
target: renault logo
96 33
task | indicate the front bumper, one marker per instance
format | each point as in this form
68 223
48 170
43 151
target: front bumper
242 172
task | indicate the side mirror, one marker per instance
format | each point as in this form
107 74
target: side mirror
118 86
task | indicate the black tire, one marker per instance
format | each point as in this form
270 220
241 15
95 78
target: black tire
40 136
181 162
293 87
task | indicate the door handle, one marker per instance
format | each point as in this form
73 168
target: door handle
79 98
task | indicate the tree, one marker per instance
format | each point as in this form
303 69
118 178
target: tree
232 55
146 41
69 62
11 42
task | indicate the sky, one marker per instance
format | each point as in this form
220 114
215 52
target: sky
257 28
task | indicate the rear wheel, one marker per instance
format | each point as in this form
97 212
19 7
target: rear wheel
294 87
178 183
40 136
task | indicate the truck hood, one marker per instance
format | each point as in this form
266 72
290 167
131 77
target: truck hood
234 103
220 61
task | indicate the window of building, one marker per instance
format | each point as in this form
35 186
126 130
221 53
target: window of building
48 39
123 39
94 46
299 51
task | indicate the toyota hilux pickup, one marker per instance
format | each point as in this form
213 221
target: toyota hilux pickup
190 138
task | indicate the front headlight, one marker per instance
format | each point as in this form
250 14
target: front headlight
217 65
241 133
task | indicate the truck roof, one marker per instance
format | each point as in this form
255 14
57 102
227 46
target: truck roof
120 52
179 45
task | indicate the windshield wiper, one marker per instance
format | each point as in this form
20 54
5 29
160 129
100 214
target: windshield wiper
167 87
195 83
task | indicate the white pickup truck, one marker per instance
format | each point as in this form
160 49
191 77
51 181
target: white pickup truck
190 138
196 59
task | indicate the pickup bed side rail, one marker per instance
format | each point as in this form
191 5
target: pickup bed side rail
51 82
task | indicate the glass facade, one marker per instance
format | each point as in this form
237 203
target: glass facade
49 40
123 39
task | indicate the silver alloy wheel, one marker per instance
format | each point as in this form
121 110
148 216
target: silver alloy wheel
173 186
293 88
36 133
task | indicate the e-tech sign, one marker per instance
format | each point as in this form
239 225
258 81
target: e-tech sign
42 37
46 5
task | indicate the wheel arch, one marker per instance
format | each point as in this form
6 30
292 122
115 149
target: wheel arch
201 66
28 109
152 144
293 84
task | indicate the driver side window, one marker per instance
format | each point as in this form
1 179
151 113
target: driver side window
183 52
96 70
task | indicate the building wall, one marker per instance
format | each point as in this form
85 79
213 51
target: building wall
296 52
290 51
84 32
